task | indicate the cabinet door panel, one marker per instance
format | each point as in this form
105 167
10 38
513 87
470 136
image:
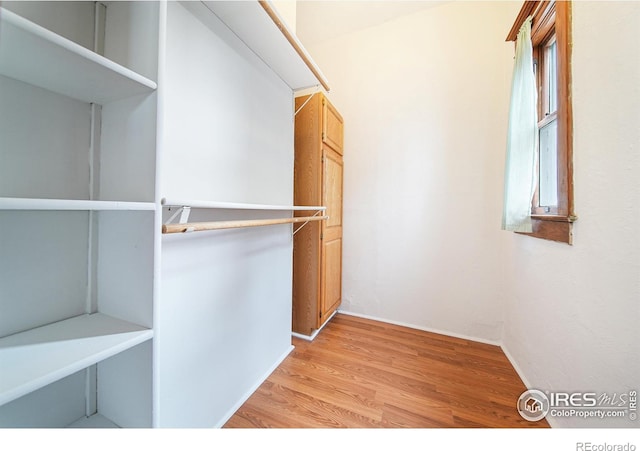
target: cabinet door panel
332 190
331 278
332 127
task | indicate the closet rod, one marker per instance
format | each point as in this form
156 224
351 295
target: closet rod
218 225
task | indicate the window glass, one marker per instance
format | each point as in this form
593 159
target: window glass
552 78
548 164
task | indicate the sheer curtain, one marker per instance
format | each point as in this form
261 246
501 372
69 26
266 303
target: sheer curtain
522 136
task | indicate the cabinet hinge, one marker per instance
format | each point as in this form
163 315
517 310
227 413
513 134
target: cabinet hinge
321 236
324 135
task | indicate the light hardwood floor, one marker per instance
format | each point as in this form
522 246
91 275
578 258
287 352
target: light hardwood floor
360 373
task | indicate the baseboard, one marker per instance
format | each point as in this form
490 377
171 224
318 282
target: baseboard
516 367
305 337
255 386
425 329
316 332
551 420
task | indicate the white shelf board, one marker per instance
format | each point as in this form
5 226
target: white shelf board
18 203
35 55
253 26
95 421
236 205
32 359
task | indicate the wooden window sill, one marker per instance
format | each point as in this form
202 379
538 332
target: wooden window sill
554 218
552 227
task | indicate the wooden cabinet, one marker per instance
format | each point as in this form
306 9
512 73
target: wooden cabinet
317 248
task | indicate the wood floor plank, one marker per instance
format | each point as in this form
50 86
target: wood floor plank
397 417
360 373
337 394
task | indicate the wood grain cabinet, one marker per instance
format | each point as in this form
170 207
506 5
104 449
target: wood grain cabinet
317 248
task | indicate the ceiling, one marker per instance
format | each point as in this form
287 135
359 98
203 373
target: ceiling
319 21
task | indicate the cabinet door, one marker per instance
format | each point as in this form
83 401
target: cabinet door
331 275
332 127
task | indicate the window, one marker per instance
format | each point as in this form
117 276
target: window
546 69
552 211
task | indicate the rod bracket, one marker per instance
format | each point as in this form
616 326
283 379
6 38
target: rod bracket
184 213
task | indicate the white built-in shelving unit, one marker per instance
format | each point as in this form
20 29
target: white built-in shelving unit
42 58
88 338
46 354
74 327
20 203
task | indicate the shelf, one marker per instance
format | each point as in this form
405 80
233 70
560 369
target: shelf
236 206
35 55
267 36
32 359
17 203
95 421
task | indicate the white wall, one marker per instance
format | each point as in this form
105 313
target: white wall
425 100
223 319
578 330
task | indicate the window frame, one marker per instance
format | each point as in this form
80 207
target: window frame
552 20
